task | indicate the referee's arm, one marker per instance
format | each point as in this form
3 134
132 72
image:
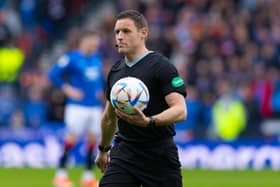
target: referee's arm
108 125
176 112
108 128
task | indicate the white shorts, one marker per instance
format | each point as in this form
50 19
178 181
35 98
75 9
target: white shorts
81 119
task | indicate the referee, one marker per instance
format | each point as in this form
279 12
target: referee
144 153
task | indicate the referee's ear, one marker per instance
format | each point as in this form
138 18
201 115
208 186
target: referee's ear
144 33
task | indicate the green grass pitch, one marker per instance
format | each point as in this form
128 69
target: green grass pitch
28 177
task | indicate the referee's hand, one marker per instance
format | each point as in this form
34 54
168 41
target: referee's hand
138 118
102 160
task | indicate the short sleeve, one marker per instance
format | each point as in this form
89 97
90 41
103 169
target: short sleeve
169 79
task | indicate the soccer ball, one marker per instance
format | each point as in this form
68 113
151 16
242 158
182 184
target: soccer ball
129 92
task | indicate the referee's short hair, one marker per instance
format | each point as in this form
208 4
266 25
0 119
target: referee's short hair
138 19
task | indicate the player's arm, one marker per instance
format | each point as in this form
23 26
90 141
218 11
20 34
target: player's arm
72 92
58 70
56 76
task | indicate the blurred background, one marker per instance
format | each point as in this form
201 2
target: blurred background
227 51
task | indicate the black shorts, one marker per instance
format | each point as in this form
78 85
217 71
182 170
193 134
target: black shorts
153 165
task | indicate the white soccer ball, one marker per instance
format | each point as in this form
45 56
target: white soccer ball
129 92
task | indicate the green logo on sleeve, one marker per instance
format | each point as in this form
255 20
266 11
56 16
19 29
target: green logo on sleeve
177 82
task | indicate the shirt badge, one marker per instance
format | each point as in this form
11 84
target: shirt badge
177 82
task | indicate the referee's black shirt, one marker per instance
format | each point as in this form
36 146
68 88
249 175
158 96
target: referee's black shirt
157 73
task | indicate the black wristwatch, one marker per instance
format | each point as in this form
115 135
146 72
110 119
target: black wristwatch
152 122
104 149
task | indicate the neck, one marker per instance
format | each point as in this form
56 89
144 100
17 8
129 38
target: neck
83 51
131 57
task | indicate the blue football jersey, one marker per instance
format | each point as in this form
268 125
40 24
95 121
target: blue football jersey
82 72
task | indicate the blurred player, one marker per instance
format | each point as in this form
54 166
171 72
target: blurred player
144 153
78 74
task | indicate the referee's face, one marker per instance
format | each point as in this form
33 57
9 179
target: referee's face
128 38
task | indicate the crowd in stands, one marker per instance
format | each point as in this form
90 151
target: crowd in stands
28 30
226 51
